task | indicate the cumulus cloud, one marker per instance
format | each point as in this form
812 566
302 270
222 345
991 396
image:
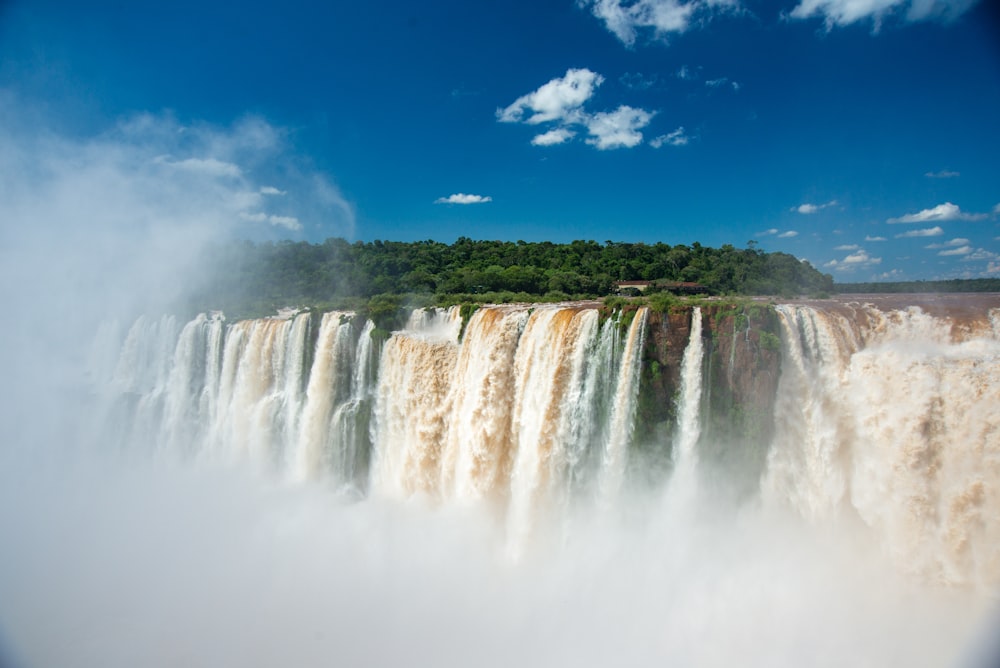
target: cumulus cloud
618 128
788 235
813 208
871 238
552 137
980 254
676 138
837 13
940 213
553 101
462 198
847 247
962 250
927 232
943 174
858 259
861 257
949 244
625 18
561 101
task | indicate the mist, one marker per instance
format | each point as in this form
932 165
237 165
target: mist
119 557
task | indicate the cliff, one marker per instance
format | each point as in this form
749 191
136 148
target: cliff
740 368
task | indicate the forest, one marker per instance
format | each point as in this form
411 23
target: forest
259 277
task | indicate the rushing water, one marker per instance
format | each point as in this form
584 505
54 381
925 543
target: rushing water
300 492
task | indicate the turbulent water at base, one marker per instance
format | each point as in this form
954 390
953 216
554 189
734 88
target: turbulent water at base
483 490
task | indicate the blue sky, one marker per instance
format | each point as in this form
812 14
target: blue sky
861 135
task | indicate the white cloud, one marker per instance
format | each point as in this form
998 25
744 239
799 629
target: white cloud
271 190
963 250
871 238
715 83
561 100
894 273
858 259
928 232
813 208
555 136
940 213
980 254
847 247
618 128
949 244
996 209
462 198
943 174
861 257
767 233
845 12
624 18
555 100
788 235
675 138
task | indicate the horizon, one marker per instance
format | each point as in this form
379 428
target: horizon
858 136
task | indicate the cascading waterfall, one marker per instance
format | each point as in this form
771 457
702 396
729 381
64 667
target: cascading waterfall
884 415
689 403
814 483
683 482
622 423
331 366
893 416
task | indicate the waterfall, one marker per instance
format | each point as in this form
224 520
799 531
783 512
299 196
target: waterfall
477 454
683 484
689 402
534 410
551 484
623 410
892 417
331 365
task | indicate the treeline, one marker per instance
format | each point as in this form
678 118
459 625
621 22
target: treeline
951 285
298 272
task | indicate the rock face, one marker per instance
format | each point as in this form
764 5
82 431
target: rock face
740 368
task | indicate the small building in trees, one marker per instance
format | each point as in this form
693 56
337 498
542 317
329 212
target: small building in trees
681 287
636 288
631 288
